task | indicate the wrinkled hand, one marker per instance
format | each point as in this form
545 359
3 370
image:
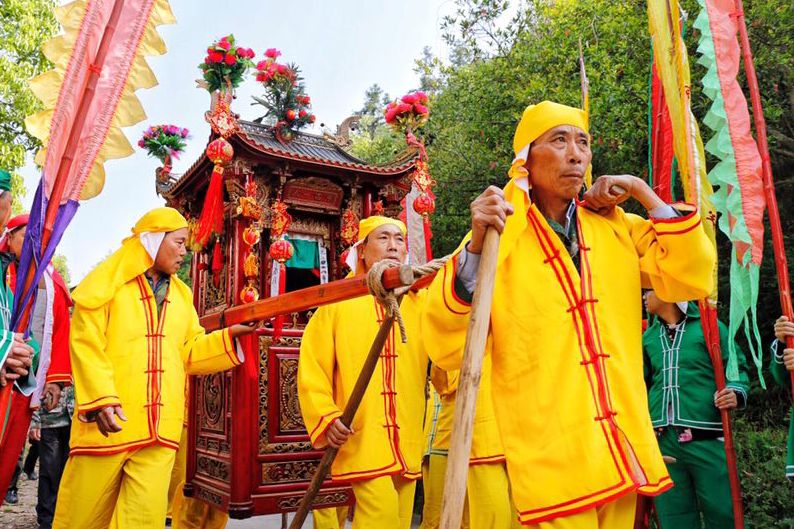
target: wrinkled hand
726 399
51 396
788 359
608 191
106 419
338 434
18 361
34 434
783 329
241 329
489 210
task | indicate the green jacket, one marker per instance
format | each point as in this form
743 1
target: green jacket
680 376
782 377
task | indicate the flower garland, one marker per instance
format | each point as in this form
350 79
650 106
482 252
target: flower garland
285 99
225 63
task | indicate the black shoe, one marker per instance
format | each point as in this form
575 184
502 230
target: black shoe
168 522
11 497
32 476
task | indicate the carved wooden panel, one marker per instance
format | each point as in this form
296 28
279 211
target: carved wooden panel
289 416
290 503
313 192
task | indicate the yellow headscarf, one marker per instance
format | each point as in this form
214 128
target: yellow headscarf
365 227
129 261
536 121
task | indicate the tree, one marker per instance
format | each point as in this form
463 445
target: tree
373 140
60 264
24 27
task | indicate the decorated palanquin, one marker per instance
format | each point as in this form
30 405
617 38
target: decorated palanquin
249 452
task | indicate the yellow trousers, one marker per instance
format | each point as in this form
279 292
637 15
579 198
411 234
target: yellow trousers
178 473
330 518
618 514
385 502
121 491
189 513
487 503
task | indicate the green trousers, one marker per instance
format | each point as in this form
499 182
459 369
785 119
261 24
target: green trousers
701 486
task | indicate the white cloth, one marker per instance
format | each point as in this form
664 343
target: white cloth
152 241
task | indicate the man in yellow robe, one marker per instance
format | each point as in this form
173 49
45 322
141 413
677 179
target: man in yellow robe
487 489
565 340
380 455
135 335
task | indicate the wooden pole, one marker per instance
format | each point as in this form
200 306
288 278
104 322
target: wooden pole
370 363
307 298
711 332
466 400
781 264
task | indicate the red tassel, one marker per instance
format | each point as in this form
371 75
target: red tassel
217 263
278 321
211 219
428 237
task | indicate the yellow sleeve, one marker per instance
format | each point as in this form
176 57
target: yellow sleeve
92 370
676 258
211 353
316 375
445 319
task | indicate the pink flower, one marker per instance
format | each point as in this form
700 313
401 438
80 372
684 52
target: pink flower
240 52
390 115
393 104
249 53
272 53
261 65
281 68
422 96
225 44
403 108
421 109
141 143
185 132
207 60
230 59
410 99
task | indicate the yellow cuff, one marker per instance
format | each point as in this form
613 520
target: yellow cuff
101 402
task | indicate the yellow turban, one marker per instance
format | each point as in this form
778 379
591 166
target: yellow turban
365 227
536 121
135 257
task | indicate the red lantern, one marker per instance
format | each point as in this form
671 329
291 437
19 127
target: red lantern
220 151
424 204
281 250
250 236
249 294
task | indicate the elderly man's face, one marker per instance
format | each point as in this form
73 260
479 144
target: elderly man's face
5 208
385 242
15 240
172 252
558 160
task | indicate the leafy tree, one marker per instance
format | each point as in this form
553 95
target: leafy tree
60 264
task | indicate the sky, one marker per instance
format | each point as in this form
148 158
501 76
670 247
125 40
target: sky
342 47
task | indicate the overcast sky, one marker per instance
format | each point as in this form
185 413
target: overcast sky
341 46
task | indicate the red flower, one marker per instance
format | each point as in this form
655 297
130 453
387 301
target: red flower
230 59
225 44
261 65
241 52
272 53
250 53
281 68
210 49
403 108
215 57
421 96
207 60
141 143
307 100
410 99
302 114
312 118
391 113
290 115
421 109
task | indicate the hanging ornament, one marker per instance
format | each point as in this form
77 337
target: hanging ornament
217 263
220 153
424 204
377 208
348 233
281 250
249 293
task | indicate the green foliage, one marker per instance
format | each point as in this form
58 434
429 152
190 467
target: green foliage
184 271
24 27
60 264
378 147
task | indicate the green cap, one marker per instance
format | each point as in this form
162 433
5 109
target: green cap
5 180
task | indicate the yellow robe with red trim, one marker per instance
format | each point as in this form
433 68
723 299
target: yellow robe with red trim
124 354
388 437
486 445
568 387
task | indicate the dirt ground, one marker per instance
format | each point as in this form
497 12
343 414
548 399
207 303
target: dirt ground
23 514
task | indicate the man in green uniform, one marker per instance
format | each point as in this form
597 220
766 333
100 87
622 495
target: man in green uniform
685 409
